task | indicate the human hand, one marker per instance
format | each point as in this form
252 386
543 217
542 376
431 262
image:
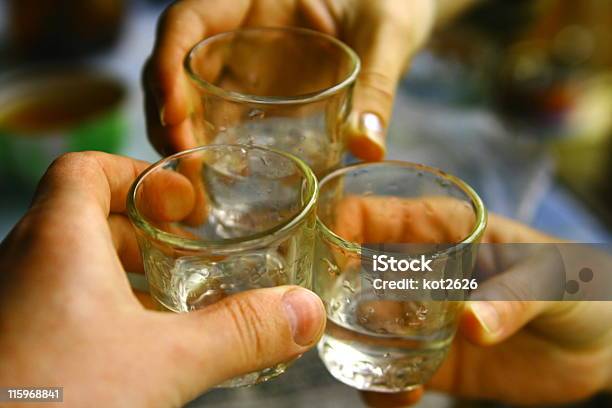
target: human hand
68 316
384 33
519 352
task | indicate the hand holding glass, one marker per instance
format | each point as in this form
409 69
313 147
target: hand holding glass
375 341
222 219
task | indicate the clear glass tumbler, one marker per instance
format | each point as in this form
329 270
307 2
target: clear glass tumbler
221 219
377 340
288 88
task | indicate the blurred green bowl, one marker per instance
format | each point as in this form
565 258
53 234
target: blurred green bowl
44 113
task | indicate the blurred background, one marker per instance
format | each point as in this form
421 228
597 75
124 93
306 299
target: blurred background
514 97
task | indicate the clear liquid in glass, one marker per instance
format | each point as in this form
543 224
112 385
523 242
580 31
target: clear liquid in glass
384 345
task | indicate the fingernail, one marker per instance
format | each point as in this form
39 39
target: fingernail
371 125
367 136
306 315
487 315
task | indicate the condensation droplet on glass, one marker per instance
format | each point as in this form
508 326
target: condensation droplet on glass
443 183
210 293
421 312
332 268
347 285
256 114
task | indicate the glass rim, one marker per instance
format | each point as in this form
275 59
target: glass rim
259 239
480 211
275 100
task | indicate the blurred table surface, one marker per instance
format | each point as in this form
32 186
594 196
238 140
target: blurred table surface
307 383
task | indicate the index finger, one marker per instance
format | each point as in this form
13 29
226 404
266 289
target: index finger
80 181
77 181
182 25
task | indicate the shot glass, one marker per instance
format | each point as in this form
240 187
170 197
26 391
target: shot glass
221 219
391 340
287 88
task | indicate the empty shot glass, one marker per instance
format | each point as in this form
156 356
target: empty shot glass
221 219
288 88
379 339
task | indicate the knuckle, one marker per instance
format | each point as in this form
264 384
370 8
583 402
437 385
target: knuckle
175 14
75 162
377 88
378 81
248 323
514 309
518 293
75 172
77 168
171 12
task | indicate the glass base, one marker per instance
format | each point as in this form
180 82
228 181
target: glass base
256 377
381 369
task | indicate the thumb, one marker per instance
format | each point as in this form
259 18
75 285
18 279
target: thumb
384 34
525 288
491 322
246 332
